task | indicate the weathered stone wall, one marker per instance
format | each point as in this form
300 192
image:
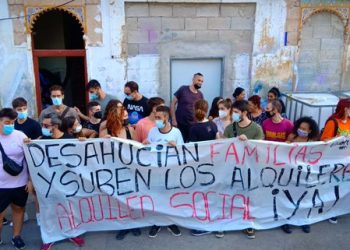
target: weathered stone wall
149 24
320 56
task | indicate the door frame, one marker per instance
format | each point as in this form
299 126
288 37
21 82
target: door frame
197 59
38 53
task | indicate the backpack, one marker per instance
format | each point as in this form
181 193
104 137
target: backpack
336 126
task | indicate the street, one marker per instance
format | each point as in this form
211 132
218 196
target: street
323 236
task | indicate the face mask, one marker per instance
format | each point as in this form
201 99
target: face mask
268 114
46 132
78 129
22 115
57 101
196 86
236 117
8 129
129 97
160 124
93 96
302 133
98 115
222 113
126 122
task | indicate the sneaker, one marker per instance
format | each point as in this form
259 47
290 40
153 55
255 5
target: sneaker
47 246
250 232
136 231
5 221
286 229
174 230
18 243
153 232
333 220
1 242
219 234
199 232
121 234
79 242
306 228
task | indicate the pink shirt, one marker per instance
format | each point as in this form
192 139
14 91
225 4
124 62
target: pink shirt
13 147
142 129
277 131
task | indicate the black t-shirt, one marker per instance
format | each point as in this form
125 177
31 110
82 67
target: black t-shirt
89 125
136 109
204 131
64 136
30 128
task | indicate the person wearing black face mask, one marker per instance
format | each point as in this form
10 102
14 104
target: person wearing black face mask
182 106
95 116
276 127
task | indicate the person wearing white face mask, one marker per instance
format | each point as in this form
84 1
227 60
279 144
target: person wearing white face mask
50 128
57 97
224 118
305 130
27 125
13 188
71 125
51 125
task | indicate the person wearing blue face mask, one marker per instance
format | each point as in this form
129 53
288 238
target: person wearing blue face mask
135 103
164 133
13 189
57 97
97 94
27 125
51 128
244 129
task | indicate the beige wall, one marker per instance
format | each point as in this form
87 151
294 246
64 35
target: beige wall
321 51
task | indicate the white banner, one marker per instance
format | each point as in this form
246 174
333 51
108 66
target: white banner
113 184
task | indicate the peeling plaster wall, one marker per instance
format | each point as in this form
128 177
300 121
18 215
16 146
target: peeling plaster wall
270 63
15 79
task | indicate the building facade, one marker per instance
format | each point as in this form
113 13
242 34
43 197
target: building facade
296 45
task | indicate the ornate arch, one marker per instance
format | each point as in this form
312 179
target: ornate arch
34 13
341 12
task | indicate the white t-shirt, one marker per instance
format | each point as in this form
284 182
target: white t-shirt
13 147
157 137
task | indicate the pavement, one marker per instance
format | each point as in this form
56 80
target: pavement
323 236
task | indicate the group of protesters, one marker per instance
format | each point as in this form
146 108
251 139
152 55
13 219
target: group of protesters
149 121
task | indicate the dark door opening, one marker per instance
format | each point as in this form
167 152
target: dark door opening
59 58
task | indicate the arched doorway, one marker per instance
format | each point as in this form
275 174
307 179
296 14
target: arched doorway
59 57
321 53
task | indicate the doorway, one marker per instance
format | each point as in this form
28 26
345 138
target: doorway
59 58
182 71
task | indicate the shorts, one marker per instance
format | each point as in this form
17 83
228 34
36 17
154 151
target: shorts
17 196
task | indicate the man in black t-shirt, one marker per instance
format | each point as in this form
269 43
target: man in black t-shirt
135 103
28 126
94 115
